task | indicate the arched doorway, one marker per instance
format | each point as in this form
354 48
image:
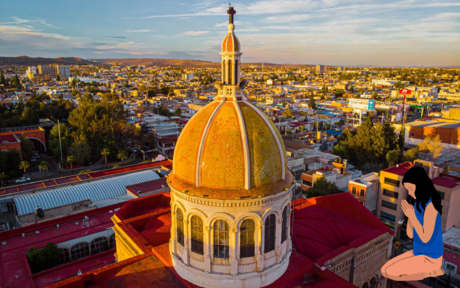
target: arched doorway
39 145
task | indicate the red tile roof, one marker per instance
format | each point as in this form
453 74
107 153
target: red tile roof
400 170
7 137
447 182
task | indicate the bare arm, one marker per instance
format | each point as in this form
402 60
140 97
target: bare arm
426 231
410 229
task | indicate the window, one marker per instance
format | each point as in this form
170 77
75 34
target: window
247 238
442 195
412 134
361 193
180 227
451 267
284 227
270 236
390 193
64 256
79 251
112 241
305 182
391 182
365 285
197 235
229 73
387 216
389 205
353 191
221 239
99 245
236 71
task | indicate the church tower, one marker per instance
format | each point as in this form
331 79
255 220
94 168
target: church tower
230 188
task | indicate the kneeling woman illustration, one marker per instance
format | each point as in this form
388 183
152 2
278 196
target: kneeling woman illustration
424 227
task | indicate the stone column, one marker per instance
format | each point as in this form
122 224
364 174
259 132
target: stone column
207 249
172 241
234 252
260 246
186 255
278 233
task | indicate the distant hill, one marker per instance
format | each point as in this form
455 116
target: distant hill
26 60
180 62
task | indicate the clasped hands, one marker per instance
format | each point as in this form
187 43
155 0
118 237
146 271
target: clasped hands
408 210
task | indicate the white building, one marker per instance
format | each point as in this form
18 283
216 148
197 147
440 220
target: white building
63 71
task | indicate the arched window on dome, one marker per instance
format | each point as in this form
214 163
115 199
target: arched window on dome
221 239
365 285
270 233
236 71
247 238
223 72
197 235
180 227
284 227
229 73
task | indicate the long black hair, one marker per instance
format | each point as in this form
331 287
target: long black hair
424 189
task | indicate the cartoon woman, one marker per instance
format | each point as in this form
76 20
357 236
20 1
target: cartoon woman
424 227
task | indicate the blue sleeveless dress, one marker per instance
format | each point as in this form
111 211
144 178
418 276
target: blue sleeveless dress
434 247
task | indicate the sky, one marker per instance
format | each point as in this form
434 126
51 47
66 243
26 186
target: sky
329 32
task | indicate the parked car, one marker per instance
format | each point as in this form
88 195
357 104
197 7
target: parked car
22 179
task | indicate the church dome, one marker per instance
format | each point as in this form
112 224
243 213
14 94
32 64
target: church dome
231 42
230 150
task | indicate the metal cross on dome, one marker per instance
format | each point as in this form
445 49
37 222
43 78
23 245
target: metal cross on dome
230 12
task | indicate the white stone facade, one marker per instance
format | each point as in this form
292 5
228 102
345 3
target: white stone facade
233 270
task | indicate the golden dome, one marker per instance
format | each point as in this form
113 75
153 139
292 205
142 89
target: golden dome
229 150
231 42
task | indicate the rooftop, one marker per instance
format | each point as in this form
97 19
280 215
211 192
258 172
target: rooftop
400 170
446 181
452 236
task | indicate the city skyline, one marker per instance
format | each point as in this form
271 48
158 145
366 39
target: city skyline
404 33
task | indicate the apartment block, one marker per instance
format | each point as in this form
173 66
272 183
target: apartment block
365 189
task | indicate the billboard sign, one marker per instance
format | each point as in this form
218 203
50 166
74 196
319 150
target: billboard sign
405 91
368 104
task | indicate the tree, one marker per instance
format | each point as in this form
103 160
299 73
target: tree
27 147
70 160
43 259
401 139
122 155
2 79
105 152
43 165
24 165
178 112
3 176
311 103
431 144
392 157
29 116
58 77
337 124
289 131
410 155
322 97
15 81
342 151
399 85
322 187
445 169
287 113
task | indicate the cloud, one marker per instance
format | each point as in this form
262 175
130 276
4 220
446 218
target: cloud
119 46
225 24
138 31
118 37
443 17
288 18
195 33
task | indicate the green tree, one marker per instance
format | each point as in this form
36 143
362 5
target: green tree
43 259
432 144
178 112
80 148
311 103
27 147
401 139
122 155
445 169
287 113
58 77
15 81
71 160
105 152
342 151
43 165
3 177
392 157
53 141
410 155
24 165
2 78
322 187
322 98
